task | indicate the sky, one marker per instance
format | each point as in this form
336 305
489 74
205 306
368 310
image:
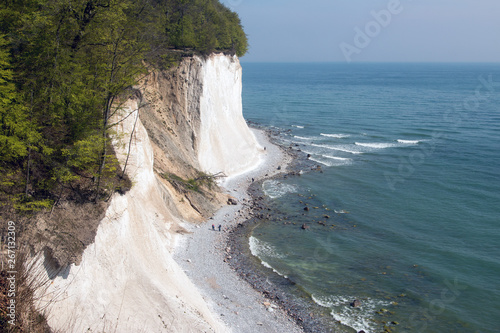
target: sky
370 30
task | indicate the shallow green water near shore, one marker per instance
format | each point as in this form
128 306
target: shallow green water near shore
408 200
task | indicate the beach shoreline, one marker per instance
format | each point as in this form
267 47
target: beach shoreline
203 254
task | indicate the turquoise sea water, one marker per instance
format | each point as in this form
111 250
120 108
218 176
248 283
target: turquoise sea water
409 196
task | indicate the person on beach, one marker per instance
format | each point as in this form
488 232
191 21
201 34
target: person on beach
220 226
213 227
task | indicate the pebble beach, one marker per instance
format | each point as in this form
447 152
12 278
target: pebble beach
203 252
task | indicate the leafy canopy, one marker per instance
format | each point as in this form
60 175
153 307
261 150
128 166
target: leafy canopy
64 67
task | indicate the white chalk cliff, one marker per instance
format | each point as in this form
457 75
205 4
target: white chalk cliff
127 280
225 143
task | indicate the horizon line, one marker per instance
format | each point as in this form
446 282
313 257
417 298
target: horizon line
370 62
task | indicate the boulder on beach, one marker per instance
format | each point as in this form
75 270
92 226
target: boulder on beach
305 226
232 201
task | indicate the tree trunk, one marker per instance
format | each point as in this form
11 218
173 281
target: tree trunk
130 141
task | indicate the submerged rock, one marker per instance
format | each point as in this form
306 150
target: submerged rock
356 303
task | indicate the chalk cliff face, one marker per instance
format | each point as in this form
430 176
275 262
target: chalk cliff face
225 142
127 280
193 115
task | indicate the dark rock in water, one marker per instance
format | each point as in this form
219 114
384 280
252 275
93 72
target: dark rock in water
356 303
306 209
232 201
308 155
279 167
326 216
361 331
316 168
305 226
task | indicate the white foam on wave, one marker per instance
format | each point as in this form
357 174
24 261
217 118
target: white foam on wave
275 189
375 145
337 136
409 142
297 126
339 148
337 158
301 137
321 301
261 249
359 318
265 264
321 162
331 161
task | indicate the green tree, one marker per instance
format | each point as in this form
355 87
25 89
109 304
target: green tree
11 144
65 68
73 60
215 27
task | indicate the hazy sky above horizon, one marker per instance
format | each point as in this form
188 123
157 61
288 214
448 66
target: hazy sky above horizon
370 30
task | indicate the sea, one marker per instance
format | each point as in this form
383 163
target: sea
403 214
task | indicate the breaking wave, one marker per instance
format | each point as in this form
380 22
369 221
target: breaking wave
274 189
409 142
301 137
375 145
339 148
261 249
330 161
337 136
337 158
320 161
360 318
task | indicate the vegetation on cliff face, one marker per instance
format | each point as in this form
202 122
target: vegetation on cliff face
63 66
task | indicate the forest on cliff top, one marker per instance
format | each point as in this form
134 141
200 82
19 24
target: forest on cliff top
64 67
